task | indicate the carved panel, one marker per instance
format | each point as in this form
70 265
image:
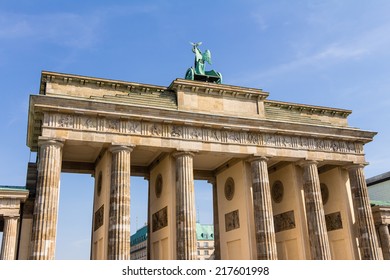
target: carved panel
99 218
284 221
134 127
160 219
232 220
333 221
65 121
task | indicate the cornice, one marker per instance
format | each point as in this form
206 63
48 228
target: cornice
48 76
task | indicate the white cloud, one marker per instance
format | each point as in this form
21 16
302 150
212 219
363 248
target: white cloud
66 29
360 46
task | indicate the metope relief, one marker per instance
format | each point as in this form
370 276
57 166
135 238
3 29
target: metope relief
134 127
65 121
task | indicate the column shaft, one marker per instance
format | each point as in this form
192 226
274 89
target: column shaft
318 236
8 247
119 214
185 207
385 240
262 204
44 231
368 242
217 244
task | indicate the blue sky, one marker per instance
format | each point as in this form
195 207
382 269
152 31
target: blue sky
328 53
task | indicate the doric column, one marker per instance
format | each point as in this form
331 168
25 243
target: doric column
368 242
185 207
385 240
148 240
43 239
217 244
8 247
262 206
119 214
318 235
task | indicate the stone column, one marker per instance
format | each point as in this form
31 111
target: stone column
262 206
368 243
185 207
8 247
318 235
385 240
148 241
119 213
217 244
44 230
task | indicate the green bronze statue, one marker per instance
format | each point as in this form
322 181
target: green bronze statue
198 72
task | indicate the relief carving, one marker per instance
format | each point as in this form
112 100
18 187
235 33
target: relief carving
333 221
65 121
160 219
90 123
234 136
195 133
134 127
155 129
252 138
284 221
232 220
176 131
113 125
215 135
99 218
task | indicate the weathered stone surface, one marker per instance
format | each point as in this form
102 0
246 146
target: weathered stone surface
368 242
185 207
262 205
319 243
119 215
8 247
43 240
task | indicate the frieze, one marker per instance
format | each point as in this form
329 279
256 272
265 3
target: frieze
194 133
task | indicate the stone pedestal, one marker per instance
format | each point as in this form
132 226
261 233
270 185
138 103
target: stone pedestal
8 251
262 204
217 244
385 240
119 215
318 236
43 240
368 243
185 207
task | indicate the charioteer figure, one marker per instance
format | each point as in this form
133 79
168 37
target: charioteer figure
198 72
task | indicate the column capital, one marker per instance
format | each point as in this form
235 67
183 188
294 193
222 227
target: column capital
354 166
257 158
180 153
51 141
306 162
116 148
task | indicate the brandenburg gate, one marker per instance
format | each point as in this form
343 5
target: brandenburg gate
287 179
